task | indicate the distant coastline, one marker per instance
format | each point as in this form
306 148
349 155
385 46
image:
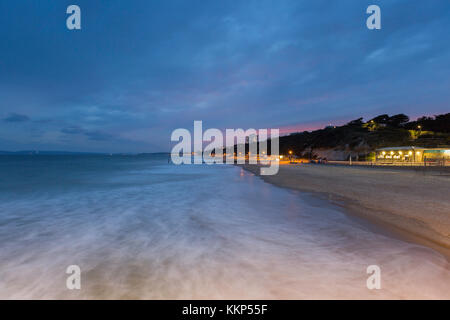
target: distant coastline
51 153
37 152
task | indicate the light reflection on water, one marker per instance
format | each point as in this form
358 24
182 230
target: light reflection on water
140 228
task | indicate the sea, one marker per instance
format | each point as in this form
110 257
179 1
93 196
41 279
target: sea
140 227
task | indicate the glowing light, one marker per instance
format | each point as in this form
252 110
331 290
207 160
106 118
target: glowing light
410 153
384 152
290 151
281 157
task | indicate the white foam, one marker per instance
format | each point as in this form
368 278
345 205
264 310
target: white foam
210 232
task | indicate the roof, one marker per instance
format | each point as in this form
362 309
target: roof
442 150
439 149
402 148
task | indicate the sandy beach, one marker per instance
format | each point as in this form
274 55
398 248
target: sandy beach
412 202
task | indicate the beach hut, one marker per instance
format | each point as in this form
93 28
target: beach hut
411 155
399 155
437 156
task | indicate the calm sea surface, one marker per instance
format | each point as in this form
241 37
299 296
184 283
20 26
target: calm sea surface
139 227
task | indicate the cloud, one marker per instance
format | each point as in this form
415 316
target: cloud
15 117
98 135
230 64
95 135
72 130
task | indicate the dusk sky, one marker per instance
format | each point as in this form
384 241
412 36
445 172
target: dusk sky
137 70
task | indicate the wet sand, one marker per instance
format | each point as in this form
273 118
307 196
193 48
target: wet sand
414 203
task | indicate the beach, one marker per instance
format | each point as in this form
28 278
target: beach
414 202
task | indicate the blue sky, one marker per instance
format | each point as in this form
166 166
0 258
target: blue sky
140 69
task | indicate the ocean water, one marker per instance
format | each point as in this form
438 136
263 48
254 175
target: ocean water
140 228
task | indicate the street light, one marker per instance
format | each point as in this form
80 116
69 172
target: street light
290 153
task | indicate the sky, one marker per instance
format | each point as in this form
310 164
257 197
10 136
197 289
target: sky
137 70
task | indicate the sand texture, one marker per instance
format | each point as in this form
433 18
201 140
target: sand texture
414 201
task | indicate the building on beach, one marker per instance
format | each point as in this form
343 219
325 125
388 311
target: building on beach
440 156
413 155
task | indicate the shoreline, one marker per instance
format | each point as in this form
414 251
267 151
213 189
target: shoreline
406 204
